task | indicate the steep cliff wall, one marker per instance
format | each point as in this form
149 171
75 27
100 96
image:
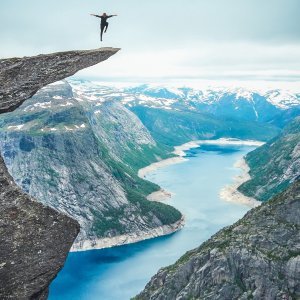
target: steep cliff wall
34 239
275 165
80 155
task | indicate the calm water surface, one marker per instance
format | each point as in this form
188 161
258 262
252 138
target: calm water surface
121 272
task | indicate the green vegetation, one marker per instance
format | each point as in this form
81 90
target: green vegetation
125 174
240 283
165 213
108 221
35 121
172 127
137 189
273 167
137 159
124 168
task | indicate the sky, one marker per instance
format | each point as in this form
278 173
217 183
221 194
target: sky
163 40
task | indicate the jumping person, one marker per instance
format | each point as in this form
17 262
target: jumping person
104 23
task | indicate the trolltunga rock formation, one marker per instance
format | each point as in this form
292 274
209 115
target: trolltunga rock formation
34 239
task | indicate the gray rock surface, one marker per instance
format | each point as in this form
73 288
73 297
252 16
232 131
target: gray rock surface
21 78
34 242
34 239
256 258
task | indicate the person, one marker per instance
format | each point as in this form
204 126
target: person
104 23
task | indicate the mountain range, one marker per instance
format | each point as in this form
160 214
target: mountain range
178 115
266 106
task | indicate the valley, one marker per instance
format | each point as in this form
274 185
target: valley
98 184
121 272
100 154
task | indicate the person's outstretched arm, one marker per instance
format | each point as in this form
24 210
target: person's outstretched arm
111 16
95 15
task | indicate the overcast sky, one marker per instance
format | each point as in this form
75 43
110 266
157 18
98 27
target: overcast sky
163 39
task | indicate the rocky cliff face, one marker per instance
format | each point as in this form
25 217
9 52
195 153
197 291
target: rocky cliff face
35 239
80 155
122 131
275 165
256 258
22 77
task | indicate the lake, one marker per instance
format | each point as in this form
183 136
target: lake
121 272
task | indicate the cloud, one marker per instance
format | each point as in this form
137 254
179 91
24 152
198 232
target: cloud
209 60
170 38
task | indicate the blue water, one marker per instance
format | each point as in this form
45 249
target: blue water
121 272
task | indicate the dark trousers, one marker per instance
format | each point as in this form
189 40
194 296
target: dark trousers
103 27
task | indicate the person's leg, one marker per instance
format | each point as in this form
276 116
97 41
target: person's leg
106 25
101 34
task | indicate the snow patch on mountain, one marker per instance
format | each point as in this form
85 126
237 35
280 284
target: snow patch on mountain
174 97
283 99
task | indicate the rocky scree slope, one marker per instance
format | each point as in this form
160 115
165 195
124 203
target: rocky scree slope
256 258
80 155
34 239
275 165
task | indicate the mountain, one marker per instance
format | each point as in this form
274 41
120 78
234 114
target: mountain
275 165
274 106
286 117
35 239
80 155
256 258
174 127
237 103
175 116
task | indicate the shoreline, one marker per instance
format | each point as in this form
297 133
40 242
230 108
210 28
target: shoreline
162 194
125 239
159 196
179 151
142 173
230 192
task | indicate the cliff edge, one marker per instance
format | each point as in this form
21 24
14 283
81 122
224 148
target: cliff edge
22 77
34 239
